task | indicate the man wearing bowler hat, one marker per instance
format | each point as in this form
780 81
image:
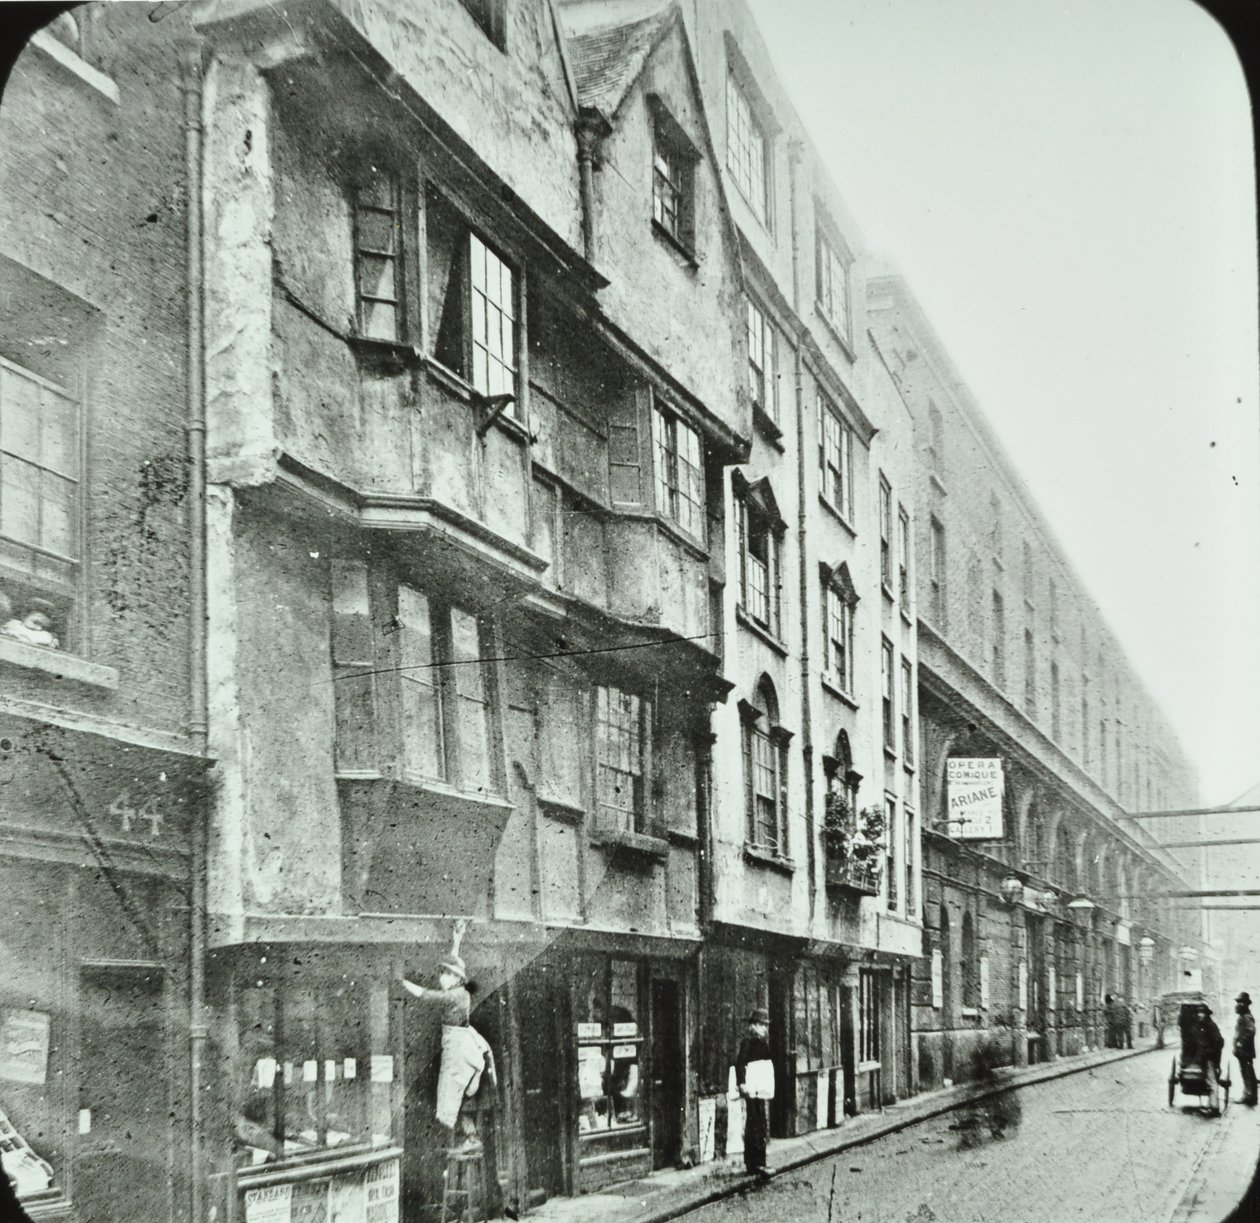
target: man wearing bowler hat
754 1074
1245 1046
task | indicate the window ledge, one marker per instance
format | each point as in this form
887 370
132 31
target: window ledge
768 426
58 664
888 592
997 563
890 752
830 685
677 836
757 630
449 379
837 515
561 811
761 856
387 356
938 483
94 78
834 329
676 533
635 844
905 615
685 253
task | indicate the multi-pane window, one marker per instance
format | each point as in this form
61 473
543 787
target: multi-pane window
620 737
679 471
1030 674
763 382
835 459
765 772
746 149
673 183
833 285
998 628
893 857
911 824
39 505
903 558
378 256
936 573
885 534
907 712
759 564
838 637
888 695
493 304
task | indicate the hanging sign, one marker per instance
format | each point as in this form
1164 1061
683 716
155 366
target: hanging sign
974 786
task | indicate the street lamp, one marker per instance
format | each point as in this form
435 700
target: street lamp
1012 890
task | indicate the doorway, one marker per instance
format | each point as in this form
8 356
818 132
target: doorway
122 1168
543 1017
667 1074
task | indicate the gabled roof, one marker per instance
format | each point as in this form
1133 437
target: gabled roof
607 59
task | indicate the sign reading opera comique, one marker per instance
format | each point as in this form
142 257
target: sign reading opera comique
975 798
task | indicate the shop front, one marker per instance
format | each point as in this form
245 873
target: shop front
94 1020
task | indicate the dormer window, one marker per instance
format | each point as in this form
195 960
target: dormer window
673 181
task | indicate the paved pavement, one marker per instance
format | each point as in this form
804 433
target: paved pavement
1097 1142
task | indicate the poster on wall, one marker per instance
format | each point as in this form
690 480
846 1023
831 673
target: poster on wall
269 1204
974 788
380 1193
23 1046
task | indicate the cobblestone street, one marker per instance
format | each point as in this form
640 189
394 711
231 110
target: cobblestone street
1099 1146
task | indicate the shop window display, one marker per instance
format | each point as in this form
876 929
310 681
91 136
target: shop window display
610 1043
310 1078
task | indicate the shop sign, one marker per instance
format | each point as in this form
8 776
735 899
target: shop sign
938 978
24 1046
975 787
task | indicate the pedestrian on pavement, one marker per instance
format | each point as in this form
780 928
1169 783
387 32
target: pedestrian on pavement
1110 1024
754 1073
1125 1032
1245 1046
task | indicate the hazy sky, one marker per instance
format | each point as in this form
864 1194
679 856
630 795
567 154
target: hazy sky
1068 189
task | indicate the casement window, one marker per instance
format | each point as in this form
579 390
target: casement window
491 19
936 574
760 531
40 491
765 770
1030 674
888 695
833 284
673 181
746 150
763 380
622 727
998 628
907 712
310 1076
378 256
885 535
903 558
894 865
679 470
839 604
473 294
835 459
911 823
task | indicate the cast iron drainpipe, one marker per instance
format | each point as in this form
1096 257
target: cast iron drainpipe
190 82
807 729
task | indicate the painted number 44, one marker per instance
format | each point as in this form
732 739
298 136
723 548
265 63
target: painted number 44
127 815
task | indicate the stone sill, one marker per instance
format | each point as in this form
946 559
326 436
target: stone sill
636 844
758 856
93 78
58 664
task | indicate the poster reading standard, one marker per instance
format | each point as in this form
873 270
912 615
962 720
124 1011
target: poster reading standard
975 798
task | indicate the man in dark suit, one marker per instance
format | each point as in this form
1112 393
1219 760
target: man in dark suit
754 1052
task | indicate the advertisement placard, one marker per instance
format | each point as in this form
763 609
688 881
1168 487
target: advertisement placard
380 1193
974 787
269 1204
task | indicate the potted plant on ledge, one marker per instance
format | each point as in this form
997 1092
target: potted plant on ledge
853 845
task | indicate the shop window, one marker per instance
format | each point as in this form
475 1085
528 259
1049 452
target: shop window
760 530
763 369
621 727
472 295
378 253
835 460
765 771
313 1073
40 471
679 470
840 601
673 180
607 1009
870 1003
